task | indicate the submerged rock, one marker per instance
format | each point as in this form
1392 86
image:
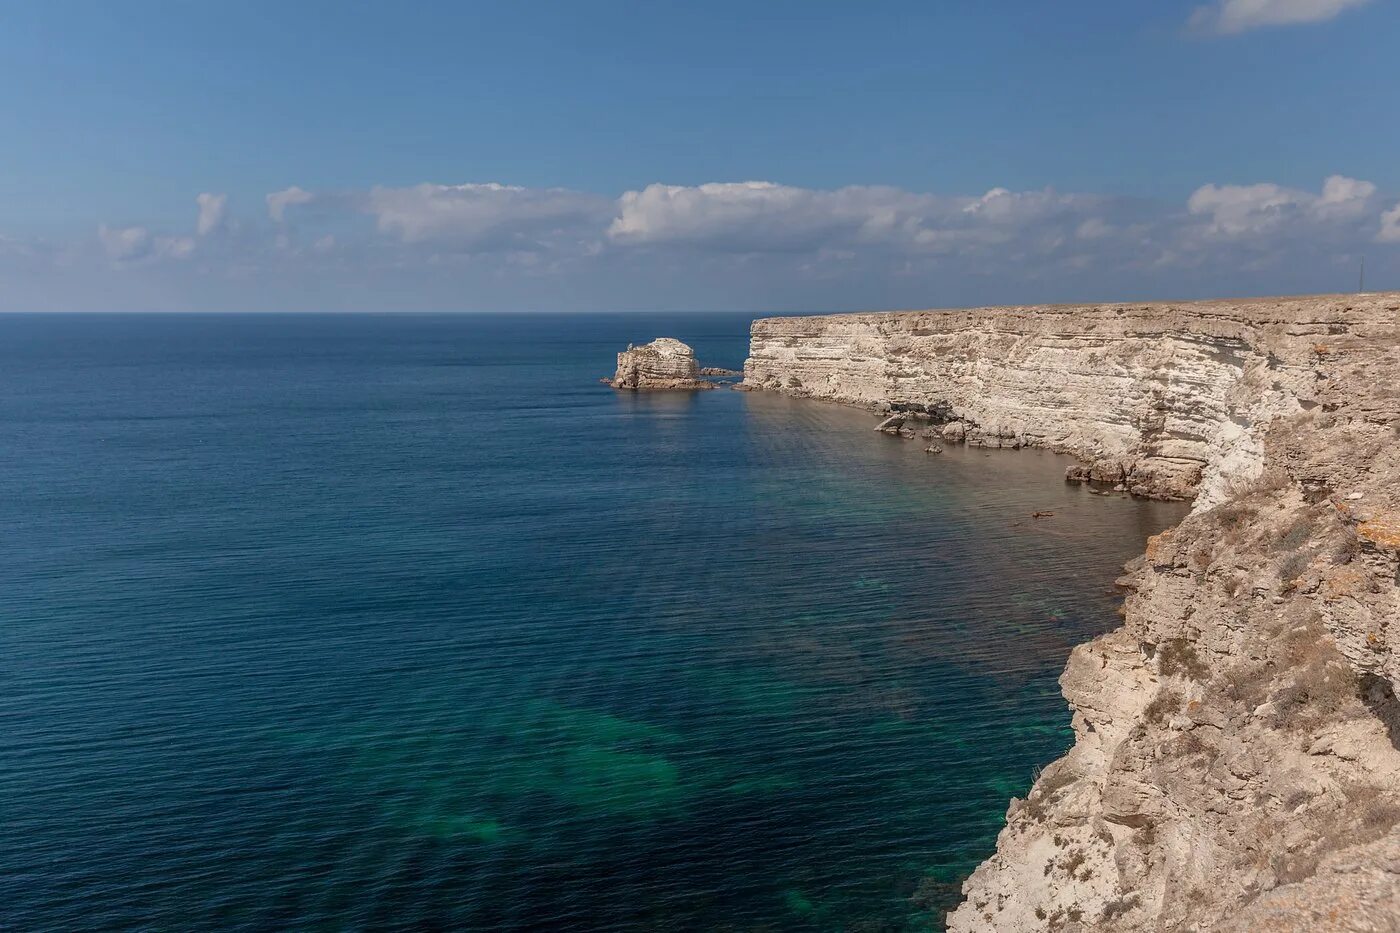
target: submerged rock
891 425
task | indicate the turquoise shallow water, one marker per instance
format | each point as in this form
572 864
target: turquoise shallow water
328 622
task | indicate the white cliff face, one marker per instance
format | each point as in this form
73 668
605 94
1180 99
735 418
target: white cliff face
1142 393
665 363
1235 764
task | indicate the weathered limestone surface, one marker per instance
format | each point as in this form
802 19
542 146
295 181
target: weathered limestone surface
665 363
1148 395
1235 764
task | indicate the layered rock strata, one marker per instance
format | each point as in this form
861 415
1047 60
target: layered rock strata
1149 396
1235 764
665 363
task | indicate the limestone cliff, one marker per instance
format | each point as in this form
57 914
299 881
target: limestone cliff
1235 764
665 363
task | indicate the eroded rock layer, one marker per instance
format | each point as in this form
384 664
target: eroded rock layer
1235 764
1148 395
665 363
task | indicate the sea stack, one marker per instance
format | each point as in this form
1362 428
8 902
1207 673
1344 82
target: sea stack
665 363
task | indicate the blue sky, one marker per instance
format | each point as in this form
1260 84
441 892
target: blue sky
495 156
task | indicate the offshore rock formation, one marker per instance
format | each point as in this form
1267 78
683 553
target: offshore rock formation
1236 762
665 363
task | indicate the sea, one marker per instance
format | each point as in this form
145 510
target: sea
402 621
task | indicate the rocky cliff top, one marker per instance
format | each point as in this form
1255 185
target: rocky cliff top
1157 317
1236 763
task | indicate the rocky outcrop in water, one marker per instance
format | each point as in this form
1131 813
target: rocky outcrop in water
665 363
1236 762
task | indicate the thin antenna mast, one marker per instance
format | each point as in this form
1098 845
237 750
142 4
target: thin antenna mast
1361 284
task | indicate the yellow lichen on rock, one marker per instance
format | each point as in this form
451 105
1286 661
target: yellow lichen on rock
1382 531
1156 543
1344 581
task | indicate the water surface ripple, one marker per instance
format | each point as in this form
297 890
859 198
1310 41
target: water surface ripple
328 622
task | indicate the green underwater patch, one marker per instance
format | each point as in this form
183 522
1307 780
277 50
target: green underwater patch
446 826
797 902
441 780
752 692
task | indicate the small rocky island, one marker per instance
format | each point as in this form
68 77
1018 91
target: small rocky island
665 363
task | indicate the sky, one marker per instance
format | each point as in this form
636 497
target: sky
211 155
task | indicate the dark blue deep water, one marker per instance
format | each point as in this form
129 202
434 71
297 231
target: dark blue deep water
365 622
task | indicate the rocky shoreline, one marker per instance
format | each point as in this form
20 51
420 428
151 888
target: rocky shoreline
1236 763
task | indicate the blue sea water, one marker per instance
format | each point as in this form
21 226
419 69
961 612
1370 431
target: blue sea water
399 621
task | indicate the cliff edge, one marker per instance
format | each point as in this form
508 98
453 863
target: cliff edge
1236 763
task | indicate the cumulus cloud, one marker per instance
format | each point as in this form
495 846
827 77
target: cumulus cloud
1390 226
212 210
759 217
1094 228
1247 210
757 244
1344 198
1243 209
1228 17
744 216
279 201
129 245
488 217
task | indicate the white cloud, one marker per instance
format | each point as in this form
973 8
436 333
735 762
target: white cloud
129 245
1390 226
1228 17
1249 210
1242 209
124 242
487 217
212 211
279 201
757 217
750 216
759 245
1094 229
1344 198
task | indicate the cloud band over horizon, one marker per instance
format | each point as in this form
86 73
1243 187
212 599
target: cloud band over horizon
772 245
